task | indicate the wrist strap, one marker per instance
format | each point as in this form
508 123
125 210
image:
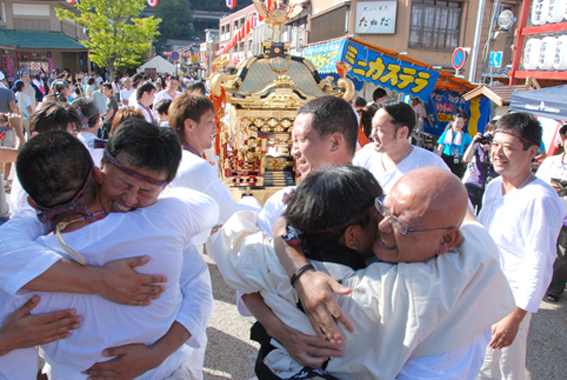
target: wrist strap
299 272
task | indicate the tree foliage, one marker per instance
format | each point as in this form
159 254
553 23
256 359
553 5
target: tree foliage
117 35
179 19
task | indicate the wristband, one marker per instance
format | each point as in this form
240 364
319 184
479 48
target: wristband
299 272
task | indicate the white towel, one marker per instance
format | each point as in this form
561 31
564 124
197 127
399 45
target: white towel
449 138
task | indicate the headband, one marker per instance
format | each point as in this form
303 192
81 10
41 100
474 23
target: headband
84 119
294 236
132 173
47 213
513 134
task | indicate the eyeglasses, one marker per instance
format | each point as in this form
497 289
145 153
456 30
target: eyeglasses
398 224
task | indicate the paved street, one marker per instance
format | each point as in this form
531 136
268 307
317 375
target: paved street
229 346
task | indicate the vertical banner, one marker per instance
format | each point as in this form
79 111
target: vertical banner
440 108
480 115
9 64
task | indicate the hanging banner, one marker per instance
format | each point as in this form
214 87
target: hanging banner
325 56
480 115
376 68
9 65
440 108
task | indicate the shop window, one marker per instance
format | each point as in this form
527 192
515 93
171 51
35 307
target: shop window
435 24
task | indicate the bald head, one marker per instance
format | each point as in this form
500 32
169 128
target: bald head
425 209
434 193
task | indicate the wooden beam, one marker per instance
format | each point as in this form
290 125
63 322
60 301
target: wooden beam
519 40
549 28
541 74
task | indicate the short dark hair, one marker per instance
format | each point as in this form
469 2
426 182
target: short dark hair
19 85
460 113
136 80
522 124
146 87
162 107
173 77
401 114
317 206
123 114
378 93
332 114
89 109
190 105
53 166
563 130
148 146
359 101
366 118
198 87
50 116
107 85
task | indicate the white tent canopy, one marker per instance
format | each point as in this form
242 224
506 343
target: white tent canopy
159 64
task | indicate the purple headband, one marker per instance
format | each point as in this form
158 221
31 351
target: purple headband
46 213
84 119
132 173
513 134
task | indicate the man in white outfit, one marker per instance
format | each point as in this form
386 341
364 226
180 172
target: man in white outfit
170 92
129 169
89 112
192 117
391 155
523 214
436 265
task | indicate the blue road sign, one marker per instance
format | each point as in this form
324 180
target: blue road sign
459 58
175 55
496 59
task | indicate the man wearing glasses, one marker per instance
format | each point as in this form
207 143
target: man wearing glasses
523 214
427 260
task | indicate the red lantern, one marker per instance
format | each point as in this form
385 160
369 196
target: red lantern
247 26
152 3
71 1
231 3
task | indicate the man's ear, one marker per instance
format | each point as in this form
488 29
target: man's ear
350 237
32 203
188 124
403 132
450 239
533 151
99 178
337 141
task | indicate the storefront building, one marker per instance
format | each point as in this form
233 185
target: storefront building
33 38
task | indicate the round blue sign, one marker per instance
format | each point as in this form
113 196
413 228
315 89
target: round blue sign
459 58
175 55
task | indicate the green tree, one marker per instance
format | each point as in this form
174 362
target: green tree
117 35
179 20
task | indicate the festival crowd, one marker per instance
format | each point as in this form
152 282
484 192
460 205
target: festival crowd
387 261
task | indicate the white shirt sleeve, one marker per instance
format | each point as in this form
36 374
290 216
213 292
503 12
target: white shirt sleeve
197 304
540 230
272 211
22 259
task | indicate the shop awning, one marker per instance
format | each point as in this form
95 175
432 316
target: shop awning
548 102
39 40
383 67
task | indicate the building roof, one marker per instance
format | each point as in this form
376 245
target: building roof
498 94
39 39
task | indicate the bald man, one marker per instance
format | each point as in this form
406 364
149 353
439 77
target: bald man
421 304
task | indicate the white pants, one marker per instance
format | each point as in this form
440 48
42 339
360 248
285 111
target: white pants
508 363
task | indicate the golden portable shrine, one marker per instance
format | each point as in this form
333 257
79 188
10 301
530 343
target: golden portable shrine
260 102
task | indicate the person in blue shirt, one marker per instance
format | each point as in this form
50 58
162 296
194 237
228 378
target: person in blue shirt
453 143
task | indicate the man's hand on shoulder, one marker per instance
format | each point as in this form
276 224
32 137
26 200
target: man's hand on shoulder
120 283
22 330
315 290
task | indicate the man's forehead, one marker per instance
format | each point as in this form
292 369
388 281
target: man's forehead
125 160
506 137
